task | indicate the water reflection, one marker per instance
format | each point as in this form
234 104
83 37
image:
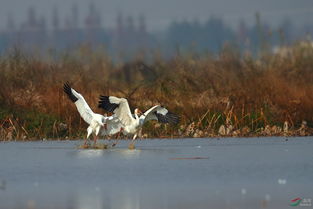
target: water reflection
130 154
126 198
88 200
3 184
89 153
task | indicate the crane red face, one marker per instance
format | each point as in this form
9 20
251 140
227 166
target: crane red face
138 111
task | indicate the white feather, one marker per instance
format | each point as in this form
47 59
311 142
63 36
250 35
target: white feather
122 112
131 124
83 108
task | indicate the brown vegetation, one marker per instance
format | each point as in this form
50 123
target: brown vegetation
230 95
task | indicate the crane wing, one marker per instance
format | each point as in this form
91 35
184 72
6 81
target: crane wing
113 126
118 106
161 114
83 108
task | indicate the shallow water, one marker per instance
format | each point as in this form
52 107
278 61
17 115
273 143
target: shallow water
184 174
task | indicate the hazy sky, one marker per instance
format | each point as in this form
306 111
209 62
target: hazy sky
159 13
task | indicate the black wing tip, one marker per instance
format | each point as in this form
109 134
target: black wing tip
103 97
68 90
173 118
168 118
104 103
176 118
66 86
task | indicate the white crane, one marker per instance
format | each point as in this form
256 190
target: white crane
113 126
107 125
131 124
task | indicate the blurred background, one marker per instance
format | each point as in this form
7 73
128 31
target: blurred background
131 28
227 67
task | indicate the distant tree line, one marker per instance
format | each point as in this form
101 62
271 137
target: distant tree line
212 35
130 37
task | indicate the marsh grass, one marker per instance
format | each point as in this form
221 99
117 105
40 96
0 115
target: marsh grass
227 95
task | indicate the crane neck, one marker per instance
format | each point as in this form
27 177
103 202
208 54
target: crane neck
136 115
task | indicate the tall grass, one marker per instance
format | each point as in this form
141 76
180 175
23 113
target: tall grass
231 94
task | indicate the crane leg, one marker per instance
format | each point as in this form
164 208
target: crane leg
95 140
89 131
117 138
86 144
132 143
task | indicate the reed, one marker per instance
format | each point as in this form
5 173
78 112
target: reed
228 95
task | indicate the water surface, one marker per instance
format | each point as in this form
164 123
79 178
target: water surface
184 174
